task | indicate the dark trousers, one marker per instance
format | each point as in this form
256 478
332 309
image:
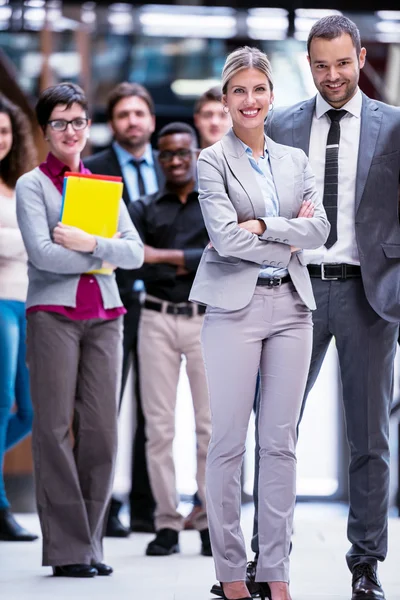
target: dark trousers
75 372
141 499
366 346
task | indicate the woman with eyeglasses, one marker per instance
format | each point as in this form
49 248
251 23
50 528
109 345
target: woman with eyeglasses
17 155
74 344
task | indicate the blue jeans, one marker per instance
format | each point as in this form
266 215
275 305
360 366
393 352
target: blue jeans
14 382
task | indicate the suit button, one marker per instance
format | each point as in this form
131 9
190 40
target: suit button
272 263
270 239
279 264
285 241
277 239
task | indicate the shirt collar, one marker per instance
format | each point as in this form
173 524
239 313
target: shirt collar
353 106
57 168
249 151
166 193
124 157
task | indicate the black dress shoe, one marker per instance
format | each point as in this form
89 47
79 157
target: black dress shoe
103 569
165 543
256 588
142 525
114 527
205 543
366 585
10 531
74 571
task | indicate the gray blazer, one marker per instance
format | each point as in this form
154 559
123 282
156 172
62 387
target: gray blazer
229 194
377 193
54 271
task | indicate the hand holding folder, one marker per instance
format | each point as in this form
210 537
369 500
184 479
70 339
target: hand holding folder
91 202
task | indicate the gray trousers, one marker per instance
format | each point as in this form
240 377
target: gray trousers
273 333
366 347
75 371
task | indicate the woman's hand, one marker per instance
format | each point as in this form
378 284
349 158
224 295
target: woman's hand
307 209
74 238
255 226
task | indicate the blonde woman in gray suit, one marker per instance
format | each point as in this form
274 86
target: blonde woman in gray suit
261 209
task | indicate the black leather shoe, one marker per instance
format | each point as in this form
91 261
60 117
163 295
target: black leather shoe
165 543
205 543
74 571
11 531
114 527
103 569
366 585
142 525
256 589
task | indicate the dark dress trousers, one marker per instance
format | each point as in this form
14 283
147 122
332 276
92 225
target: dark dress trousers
141 498
362 314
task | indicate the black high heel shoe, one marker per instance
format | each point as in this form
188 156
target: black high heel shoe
246 598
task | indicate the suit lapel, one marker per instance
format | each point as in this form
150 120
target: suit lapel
371 118
116 169
159 174
241 169
302 121
282 171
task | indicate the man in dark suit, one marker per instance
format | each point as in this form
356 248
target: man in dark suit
130 113
353 144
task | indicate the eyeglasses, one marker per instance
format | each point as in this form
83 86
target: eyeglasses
167 155
61 124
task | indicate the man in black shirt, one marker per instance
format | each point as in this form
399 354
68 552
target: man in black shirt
171 225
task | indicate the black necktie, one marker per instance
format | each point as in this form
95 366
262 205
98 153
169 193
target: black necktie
141 187
332 172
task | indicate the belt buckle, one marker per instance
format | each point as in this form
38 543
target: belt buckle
175 310
326 277
277 281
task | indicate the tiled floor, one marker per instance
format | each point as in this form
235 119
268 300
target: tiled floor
318 566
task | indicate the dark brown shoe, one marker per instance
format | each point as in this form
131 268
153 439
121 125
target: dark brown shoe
366 585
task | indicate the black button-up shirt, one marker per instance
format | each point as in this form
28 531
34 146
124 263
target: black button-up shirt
164 222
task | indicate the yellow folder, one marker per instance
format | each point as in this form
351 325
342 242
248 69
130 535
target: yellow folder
91 202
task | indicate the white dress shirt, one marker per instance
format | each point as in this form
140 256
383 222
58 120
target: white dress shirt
345 249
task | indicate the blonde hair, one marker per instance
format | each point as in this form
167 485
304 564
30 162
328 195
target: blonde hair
245 58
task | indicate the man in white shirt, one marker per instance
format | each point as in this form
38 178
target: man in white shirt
353 144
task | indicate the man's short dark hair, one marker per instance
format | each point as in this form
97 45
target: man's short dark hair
329 28
214 94
177 127
127 89
63 93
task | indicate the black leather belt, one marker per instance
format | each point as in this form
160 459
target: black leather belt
273 281
188 310
334 271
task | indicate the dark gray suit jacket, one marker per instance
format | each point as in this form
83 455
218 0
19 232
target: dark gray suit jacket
377 193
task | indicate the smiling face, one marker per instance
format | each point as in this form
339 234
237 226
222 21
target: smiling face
6 136
68 144
132 123
335 67
248 98
177 158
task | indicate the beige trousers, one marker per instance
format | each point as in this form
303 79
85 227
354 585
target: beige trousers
163 340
